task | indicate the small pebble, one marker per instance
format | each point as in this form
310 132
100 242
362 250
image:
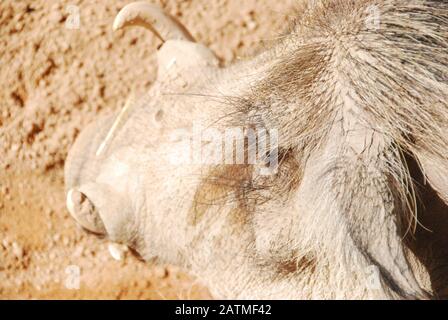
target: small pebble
161 272
6 243
78 253
56 237
65 241
17 250
252 25
5 190
52 255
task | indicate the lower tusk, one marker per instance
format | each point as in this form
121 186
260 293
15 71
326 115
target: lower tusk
117 251
70 203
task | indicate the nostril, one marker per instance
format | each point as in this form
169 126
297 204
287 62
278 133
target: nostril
84 212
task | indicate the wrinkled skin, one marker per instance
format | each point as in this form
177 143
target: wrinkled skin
335 221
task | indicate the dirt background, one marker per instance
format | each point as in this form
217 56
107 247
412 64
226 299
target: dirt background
54 80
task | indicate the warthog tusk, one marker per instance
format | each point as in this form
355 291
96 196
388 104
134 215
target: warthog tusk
70 204
117 251
152 17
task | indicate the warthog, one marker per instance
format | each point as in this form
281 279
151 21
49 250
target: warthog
316 169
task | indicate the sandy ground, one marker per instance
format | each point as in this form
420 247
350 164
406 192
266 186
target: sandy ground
54 80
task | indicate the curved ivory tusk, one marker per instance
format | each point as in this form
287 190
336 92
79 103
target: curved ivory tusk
117 251
152 17
70 202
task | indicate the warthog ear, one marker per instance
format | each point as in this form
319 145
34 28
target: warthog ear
99 209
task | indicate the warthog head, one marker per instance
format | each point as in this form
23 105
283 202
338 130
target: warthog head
296 174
